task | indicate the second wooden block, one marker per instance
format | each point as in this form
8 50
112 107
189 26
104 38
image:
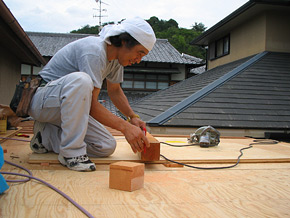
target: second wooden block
126 176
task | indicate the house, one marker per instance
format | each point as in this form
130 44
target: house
48 44
15 49
246 89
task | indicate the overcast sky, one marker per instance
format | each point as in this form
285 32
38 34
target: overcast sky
62 16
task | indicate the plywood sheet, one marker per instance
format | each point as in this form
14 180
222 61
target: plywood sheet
226 152
221 193
167 192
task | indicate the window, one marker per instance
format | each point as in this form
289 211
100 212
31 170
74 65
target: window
162 85
226 45
212 51
139 84
151 85
145 81
163 77
219 48
127 84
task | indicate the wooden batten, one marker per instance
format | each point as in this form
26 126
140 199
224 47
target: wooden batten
153 152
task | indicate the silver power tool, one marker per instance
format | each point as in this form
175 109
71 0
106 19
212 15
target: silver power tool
205 136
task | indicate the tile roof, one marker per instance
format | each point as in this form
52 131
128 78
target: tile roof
256 97
132 96
49 43
163 51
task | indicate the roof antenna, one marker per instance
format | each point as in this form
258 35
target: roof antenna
100 10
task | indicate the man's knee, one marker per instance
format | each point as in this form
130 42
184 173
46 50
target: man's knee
110 147
82 79
102 148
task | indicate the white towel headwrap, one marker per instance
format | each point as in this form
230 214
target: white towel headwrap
136 27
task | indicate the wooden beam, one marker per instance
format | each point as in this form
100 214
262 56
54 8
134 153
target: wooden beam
153 152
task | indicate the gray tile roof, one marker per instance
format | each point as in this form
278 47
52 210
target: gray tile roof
163 51
49 43
257 97
132 96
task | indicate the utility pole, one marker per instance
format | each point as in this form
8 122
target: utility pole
100 10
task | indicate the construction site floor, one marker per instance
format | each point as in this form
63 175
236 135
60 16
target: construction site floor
258 187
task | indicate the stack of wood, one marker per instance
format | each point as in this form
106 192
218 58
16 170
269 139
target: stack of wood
26 127
13 120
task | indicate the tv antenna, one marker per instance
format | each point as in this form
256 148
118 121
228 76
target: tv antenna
100 10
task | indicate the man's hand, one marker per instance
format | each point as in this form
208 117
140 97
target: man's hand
136 138
132 131
138 122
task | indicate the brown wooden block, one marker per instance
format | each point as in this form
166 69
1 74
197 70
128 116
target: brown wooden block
153 152
126 176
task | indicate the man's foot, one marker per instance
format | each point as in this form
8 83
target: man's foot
80 163
36 141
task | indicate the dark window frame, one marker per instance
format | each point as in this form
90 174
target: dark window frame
213 48
146 75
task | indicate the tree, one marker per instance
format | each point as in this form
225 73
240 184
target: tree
180 38
87 29
198 27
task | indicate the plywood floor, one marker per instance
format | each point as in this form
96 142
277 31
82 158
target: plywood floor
248 190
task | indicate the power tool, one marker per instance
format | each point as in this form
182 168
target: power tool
205 136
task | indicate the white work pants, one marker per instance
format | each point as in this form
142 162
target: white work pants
64 106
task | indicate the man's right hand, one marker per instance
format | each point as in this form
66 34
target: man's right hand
135 137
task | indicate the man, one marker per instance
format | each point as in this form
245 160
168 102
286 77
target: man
68 114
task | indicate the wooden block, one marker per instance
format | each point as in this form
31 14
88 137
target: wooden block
44 164
153 152
126 176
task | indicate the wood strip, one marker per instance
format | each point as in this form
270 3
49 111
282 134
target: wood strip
187 136
226 153
9 134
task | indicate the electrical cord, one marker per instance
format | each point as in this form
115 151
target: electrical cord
18 180
255 142
22 140
30 176
187 145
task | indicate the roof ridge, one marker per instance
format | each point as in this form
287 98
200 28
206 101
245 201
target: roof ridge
59 34
72 34
187 102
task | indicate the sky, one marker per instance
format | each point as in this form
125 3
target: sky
63 16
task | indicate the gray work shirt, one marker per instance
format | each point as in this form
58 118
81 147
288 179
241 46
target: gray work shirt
84 55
